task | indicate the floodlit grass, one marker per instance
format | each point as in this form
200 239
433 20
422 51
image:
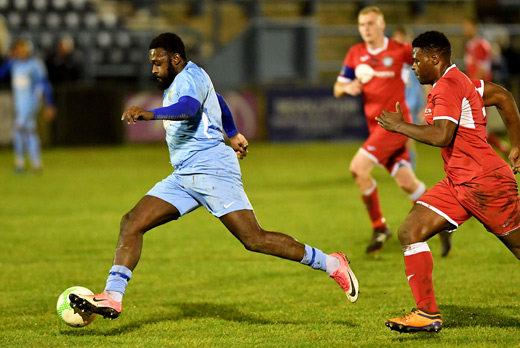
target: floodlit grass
196 286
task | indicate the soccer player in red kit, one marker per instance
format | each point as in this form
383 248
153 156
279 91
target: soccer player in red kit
478 182
384 59
478 58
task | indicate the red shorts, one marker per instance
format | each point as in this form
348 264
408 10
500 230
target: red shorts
387 149
492 199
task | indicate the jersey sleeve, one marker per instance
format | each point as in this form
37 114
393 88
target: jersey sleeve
479 86
348 70
448 101
189 86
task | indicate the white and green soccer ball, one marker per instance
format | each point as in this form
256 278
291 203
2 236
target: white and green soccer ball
73 316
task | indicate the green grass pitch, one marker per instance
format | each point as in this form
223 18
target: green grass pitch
196 286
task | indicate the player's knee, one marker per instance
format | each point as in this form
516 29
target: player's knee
128 223
254 241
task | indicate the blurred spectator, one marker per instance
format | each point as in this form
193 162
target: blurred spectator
414 91
29 82
63 64
478 59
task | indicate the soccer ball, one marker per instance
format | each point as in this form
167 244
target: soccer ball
73 316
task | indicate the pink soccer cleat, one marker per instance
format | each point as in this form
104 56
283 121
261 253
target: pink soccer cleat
101 304
345 277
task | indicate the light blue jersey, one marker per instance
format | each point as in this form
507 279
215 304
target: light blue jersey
27 78
207 172
200 132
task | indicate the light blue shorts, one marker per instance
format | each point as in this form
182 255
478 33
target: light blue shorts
210 178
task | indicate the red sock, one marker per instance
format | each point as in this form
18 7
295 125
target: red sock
374 208
419 266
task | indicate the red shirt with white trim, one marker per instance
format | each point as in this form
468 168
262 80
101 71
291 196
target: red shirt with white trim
458 99
387 86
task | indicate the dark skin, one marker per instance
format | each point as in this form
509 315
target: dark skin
422 223
151 211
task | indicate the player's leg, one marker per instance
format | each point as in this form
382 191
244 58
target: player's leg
512 241
361 167
34 148
245 227
408 182
420 224
18 147
148 213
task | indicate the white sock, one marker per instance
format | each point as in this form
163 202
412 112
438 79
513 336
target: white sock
116 295
332 264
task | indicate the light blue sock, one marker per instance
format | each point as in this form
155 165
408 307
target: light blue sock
118 279
315 258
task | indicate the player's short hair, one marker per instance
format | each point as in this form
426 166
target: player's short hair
404 30
433 41
21 41
369 9
170 42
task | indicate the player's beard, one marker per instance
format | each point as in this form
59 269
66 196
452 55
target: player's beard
164 83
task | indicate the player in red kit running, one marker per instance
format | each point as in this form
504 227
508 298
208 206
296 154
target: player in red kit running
373 68
478 59
478 182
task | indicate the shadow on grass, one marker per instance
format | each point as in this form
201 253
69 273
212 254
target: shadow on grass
185 311
468 316
455 316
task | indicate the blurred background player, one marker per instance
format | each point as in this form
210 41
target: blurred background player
387 58
29 83
414 92
478 61
478 181
207 173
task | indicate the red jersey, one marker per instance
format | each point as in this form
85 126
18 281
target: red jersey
387 86
458 99
478 55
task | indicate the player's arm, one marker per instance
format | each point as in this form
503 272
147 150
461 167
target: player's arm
43 81
502 99
346 83
5 68
238 142
440 133
185 108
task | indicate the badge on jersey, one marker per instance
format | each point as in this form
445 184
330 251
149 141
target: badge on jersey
388 61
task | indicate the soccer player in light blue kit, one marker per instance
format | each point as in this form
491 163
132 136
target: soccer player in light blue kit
29 82
206 174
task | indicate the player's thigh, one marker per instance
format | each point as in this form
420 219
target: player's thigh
242 223
420 224
148 213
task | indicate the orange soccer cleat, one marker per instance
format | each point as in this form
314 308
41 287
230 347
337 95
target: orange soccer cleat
417 320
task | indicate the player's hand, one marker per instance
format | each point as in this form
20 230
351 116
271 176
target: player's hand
134 113
239 143
391 120
354 87
514 159
49 112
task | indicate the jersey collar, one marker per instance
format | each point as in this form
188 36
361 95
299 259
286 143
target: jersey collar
380 49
